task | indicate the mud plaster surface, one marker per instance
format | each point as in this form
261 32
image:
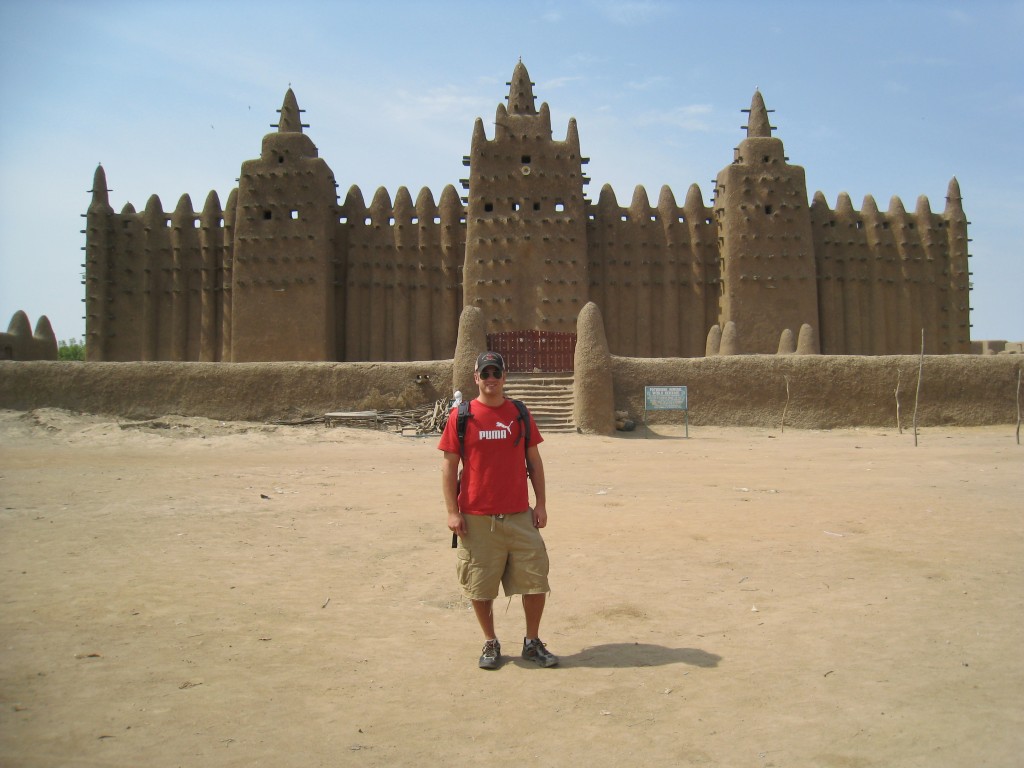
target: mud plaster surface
194 592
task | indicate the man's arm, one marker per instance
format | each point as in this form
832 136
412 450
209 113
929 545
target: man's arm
449 488
540 508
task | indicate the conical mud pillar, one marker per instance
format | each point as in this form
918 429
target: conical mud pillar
593 393
730 340
807 344
471 342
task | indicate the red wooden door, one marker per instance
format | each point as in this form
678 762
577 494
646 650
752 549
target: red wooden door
527 351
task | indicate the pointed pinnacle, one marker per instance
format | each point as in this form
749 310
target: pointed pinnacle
757 124
291 115
520 93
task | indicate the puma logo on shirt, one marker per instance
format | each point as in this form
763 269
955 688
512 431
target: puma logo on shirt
496 434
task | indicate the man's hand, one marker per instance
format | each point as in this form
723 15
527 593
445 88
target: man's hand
540 516
457 523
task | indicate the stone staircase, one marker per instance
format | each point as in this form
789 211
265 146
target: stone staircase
547 395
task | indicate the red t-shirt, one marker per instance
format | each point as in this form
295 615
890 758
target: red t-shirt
493 462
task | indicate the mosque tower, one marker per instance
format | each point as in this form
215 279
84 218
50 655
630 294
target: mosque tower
283 275
765 241
99 244
526 246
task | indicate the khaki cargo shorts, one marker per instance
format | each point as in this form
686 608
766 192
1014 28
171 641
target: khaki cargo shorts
502 548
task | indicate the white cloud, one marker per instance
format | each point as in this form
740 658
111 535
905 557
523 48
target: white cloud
635 12
560 82
447 100
648 83
691 117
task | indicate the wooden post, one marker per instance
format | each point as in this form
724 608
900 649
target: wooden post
786 406
899 375
917 397
1018 406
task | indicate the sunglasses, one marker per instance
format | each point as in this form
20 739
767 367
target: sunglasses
487 373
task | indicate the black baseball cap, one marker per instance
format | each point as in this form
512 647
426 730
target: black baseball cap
490 359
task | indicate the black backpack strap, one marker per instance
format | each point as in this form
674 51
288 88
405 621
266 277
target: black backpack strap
464 413
524 417
524 430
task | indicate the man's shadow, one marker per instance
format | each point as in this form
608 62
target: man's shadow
626 655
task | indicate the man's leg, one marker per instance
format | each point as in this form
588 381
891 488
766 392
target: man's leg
485 616
533 649
533 607
490 657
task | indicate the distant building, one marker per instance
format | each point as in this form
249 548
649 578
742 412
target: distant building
285 272
22 343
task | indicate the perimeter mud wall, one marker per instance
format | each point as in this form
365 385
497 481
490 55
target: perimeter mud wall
745 390
824 391
226 391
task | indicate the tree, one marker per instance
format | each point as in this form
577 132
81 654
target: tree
72 349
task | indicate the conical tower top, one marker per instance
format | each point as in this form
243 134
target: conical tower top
757 122
99 185
291 115
954 202
953 191
99 190
520 92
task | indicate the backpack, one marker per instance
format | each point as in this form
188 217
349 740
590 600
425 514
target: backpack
464 414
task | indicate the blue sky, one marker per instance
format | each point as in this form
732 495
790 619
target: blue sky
880 98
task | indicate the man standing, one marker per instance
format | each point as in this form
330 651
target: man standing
499 537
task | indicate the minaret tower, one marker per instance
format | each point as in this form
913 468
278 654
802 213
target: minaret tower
283 272
526 264
956 308
764 229
99 243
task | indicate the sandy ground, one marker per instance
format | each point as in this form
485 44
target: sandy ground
196 593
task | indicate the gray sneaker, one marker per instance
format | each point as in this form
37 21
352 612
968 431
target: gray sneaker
535 650
490 657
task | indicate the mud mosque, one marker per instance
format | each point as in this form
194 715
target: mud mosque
283 271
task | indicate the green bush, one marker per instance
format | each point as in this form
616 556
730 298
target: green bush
72 349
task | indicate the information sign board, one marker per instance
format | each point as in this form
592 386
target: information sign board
666 399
